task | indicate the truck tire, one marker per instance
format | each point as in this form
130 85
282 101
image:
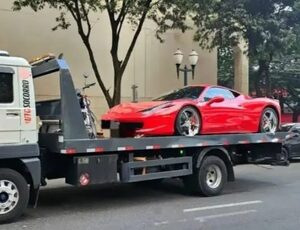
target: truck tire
14 195
209 179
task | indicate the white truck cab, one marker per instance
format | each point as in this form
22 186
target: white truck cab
17 104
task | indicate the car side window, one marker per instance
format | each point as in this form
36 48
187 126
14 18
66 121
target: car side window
215 91
6 88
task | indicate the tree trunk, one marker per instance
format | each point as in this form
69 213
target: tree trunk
257 85
295 115
117 90
268 82
281 103
264 74
118 74
98 77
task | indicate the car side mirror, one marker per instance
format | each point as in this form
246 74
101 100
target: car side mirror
216 99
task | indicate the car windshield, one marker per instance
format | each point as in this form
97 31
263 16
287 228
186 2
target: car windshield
191 92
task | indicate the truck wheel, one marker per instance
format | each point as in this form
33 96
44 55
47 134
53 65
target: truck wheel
14 195
209 179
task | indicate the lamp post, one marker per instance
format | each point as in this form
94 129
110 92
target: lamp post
193 59
134 93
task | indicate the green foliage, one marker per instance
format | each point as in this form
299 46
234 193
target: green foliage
225 67
265 24
285 74
269 26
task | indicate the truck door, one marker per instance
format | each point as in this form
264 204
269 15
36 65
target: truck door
10 111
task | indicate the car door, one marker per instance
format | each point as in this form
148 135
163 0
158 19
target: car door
10 111
221 117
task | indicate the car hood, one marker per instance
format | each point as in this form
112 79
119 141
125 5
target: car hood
135 107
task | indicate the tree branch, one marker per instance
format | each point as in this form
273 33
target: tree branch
79 21
71 9
114 35
110 14
121 20
121 11
85 38
85 13
136 35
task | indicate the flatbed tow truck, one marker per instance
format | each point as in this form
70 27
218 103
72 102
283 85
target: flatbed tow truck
62 148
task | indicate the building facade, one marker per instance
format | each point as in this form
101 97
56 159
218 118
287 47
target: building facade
28 34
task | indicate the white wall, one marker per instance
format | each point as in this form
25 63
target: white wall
151 67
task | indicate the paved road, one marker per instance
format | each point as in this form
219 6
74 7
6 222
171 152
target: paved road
261 198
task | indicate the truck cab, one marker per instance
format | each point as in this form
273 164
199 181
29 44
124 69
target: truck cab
17 106
20 168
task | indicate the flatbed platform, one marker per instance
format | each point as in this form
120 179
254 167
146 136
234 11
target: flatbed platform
58 144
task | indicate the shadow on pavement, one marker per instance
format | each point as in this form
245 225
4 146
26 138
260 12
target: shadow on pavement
66 199
295 160
246 185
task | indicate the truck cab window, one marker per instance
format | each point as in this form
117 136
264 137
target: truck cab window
6 88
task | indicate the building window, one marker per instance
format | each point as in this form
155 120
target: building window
6 88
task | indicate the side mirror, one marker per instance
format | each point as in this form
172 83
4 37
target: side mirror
216 99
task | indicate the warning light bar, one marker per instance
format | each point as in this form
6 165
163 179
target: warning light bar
38 60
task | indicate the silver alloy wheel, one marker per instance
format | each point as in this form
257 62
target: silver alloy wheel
269 121
9 196
213 176
189 122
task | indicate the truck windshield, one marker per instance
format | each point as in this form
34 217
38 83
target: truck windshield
190 92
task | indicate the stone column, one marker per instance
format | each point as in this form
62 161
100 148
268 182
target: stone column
241 68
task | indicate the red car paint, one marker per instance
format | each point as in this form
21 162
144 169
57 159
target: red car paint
241 114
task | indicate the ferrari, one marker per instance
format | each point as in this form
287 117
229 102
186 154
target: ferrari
193 110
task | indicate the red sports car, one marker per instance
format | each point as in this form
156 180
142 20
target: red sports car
192 110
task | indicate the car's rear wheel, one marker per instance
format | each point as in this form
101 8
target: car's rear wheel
188 122
269 121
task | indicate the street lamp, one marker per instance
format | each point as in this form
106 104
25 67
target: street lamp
193 59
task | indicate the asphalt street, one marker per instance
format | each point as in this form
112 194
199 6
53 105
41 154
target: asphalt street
262 197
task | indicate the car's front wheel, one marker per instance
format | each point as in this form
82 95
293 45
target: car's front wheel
188 121
269 121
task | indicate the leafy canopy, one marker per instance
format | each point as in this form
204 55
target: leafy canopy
265 24
270 28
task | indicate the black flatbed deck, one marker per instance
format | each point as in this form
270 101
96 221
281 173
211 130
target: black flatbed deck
58 144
